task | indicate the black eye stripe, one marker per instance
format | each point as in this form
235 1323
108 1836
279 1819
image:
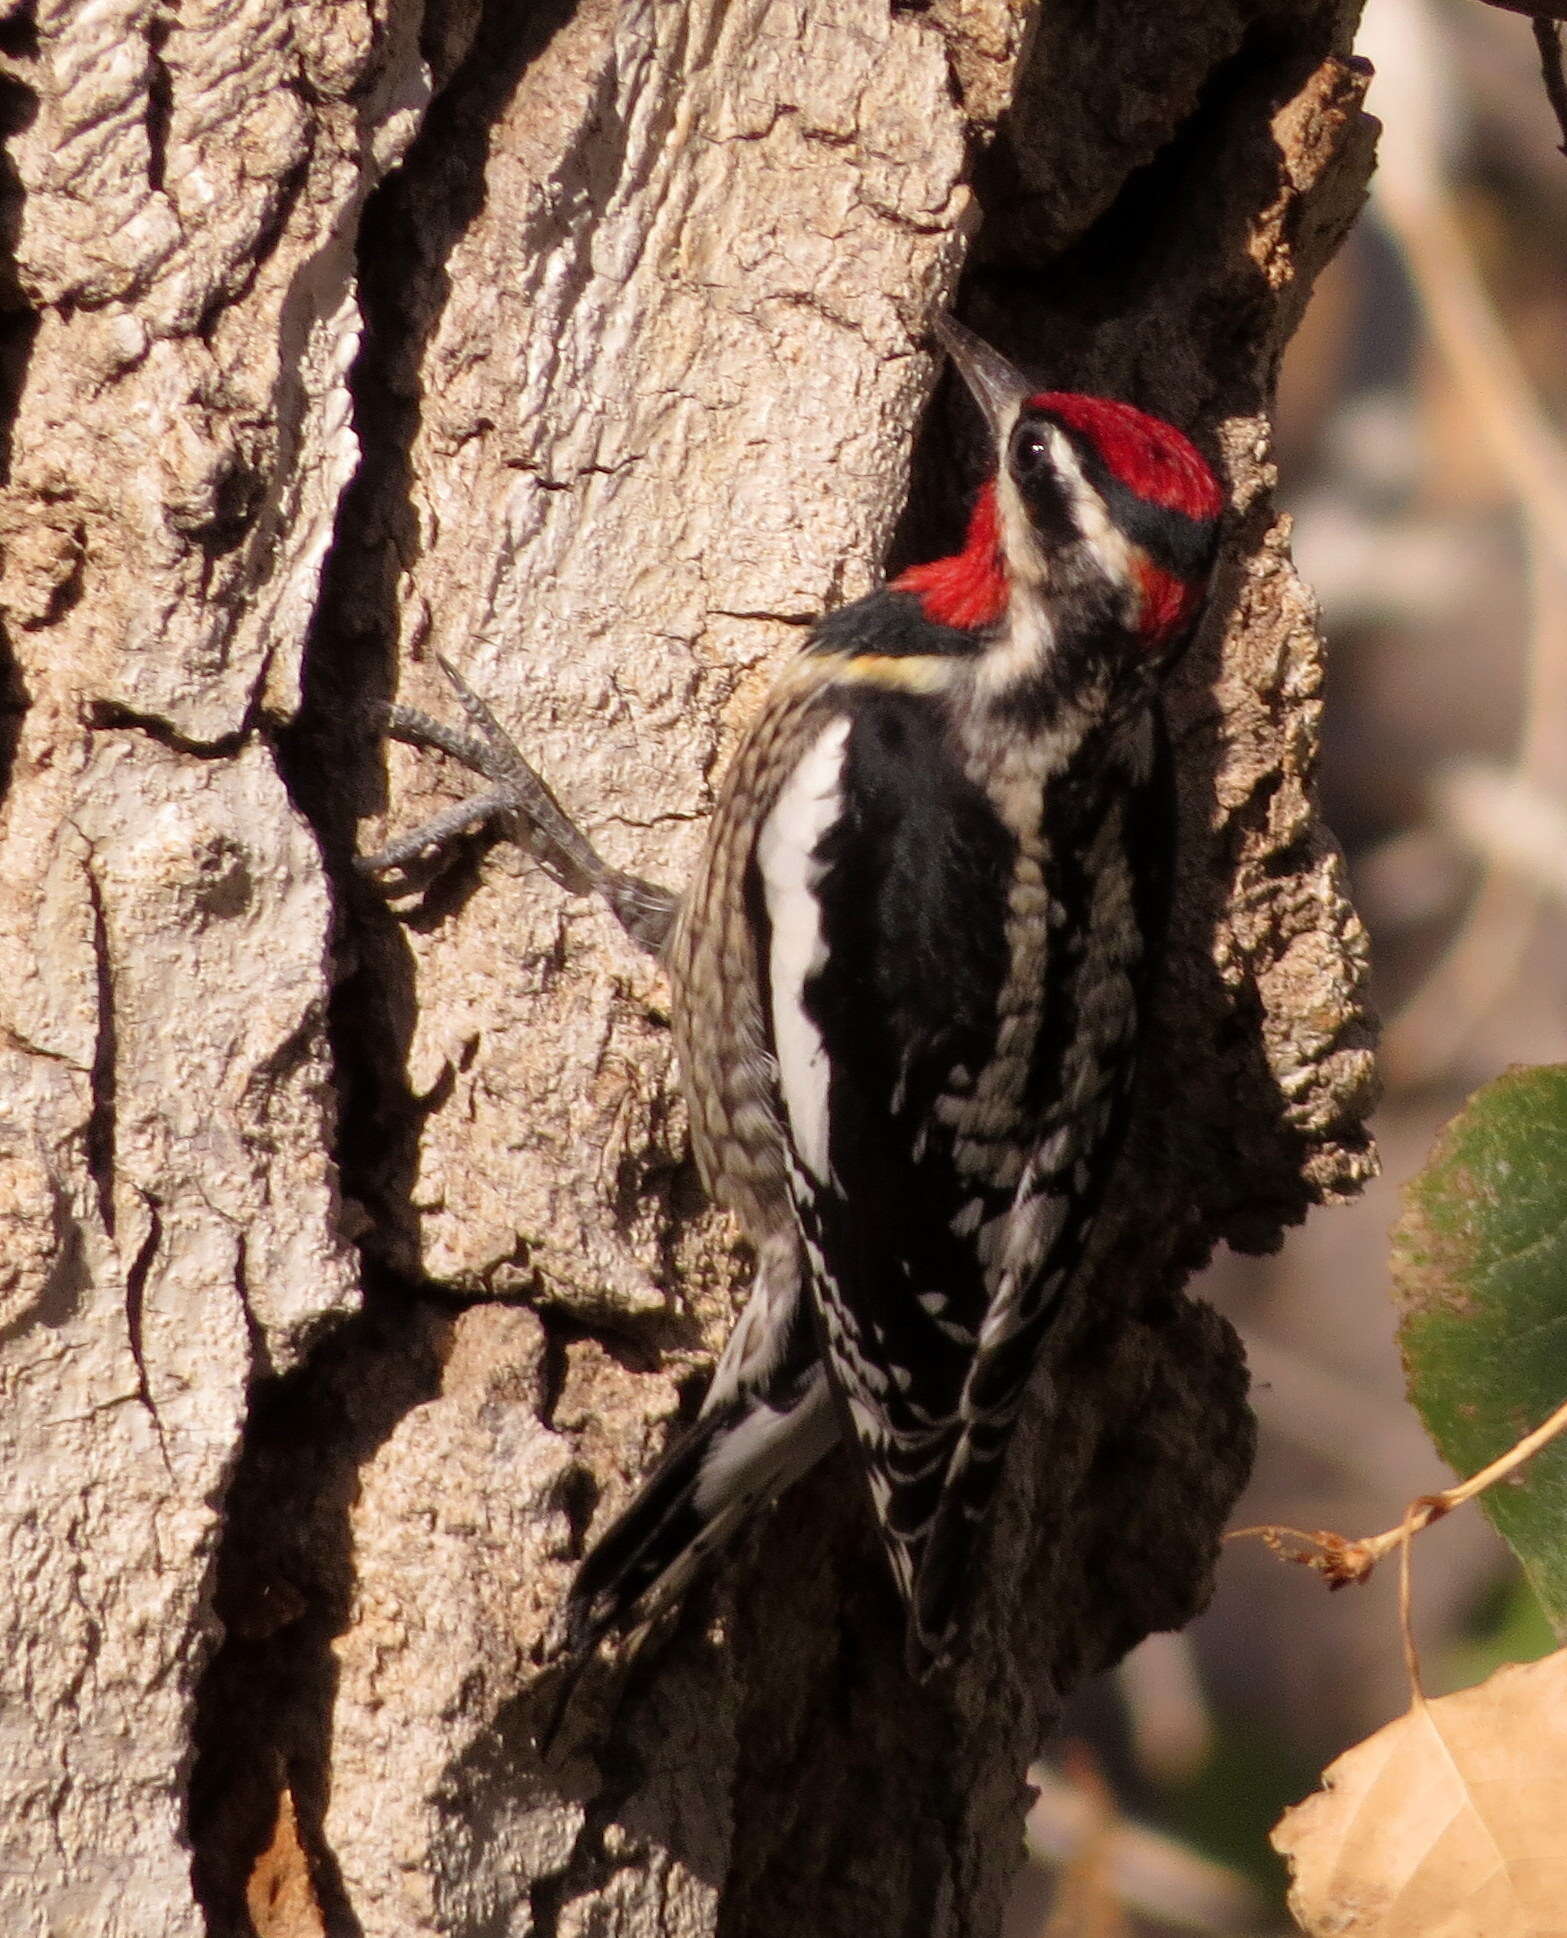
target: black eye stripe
1179 544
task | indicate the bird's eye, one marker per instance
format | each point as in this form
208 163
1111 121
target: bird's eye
1029 450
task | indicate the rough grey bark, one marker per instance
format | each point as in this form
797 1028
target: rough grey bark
351 1257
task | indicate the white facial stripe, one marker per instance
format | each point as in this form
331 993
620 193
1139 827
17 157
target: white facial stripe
1088 511
1030 565
1028 640
806 808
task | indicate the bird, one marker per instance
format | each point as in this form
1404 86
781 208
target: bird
908 986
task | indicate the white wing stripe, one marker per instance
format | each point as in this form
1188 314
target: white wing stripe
806 808
767 1450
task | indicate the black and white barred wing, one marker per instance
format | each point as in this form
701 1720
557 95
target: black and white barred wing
943 1157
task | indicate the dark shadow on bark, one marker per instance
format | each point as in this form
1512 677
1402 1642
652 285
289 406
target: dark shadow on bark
283 1589
18 319
18 323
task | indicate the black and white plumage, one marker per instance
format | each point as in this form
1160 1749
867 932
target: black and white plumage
908 983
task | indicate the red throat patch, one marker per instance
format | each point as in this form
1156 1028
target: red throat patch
1167 600
970 588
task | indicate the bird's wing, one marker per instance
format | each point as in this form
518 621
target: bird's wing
951 1041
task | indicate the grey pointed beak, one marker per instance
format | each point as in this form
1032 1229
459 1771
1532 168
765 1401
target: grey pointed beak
999 389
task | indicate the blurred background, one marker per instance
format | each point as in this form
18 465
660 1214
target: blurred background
1420 457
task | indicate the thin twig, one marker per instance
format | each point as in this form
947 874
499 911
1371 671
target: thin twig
1406 1626
1340 1561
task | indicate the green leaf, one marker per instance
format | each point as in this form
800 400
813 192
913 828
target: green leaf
1510 1626
1480 1278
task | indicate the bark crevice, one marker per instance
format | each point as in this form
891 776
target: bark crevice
284 1578
283 1589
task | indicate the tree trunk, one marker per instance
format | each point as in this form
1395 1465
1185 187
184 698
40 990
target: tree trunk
352 1258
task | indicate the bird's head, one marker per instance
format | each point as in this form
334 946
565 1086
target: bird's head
1099 518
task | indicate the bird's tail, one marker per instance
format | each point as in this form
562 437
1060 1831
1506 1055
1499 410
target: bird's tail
736 1457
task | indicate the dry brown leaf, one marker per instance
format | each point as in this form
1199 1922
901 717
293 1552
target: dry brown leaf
1449 1823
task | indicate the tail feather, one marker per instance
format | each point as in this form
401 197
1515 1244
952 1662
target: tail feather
734 1459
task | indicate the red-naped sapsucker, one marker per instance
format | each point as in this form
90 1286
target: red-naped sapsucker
908 983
